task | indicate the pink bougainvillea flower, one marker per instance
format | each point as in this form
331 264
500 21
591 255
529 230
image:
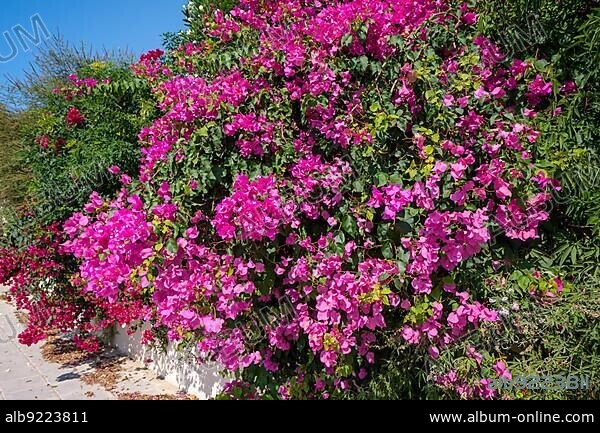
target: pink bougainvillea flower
501 370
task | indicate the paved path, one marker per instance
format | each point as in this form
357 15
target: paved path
25 375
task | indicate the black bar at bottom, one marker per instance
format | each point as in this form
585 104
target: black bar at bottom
144 414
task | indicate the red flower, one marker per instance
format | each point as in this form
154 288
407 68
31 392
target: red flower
88 344
74 117
43 141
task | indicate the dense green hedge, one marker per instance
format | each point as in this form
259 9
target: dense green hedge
13 171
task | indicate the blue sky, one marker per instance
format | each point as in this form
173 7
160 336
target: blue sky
133 24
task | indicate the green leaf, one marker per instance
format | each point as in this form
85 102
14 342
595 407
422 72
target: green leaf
574 255
172 246
358 186
363 62
382 179
346 40
387 250
523 282
349 225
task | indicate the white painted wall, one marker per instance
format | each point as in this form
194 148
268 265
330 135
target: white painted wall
176 367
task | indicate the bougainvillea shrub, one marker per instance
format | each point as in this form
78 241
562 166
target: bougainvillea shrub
322 178
337 177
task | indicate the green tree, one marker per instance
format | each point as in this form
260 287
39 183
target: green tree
13 172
